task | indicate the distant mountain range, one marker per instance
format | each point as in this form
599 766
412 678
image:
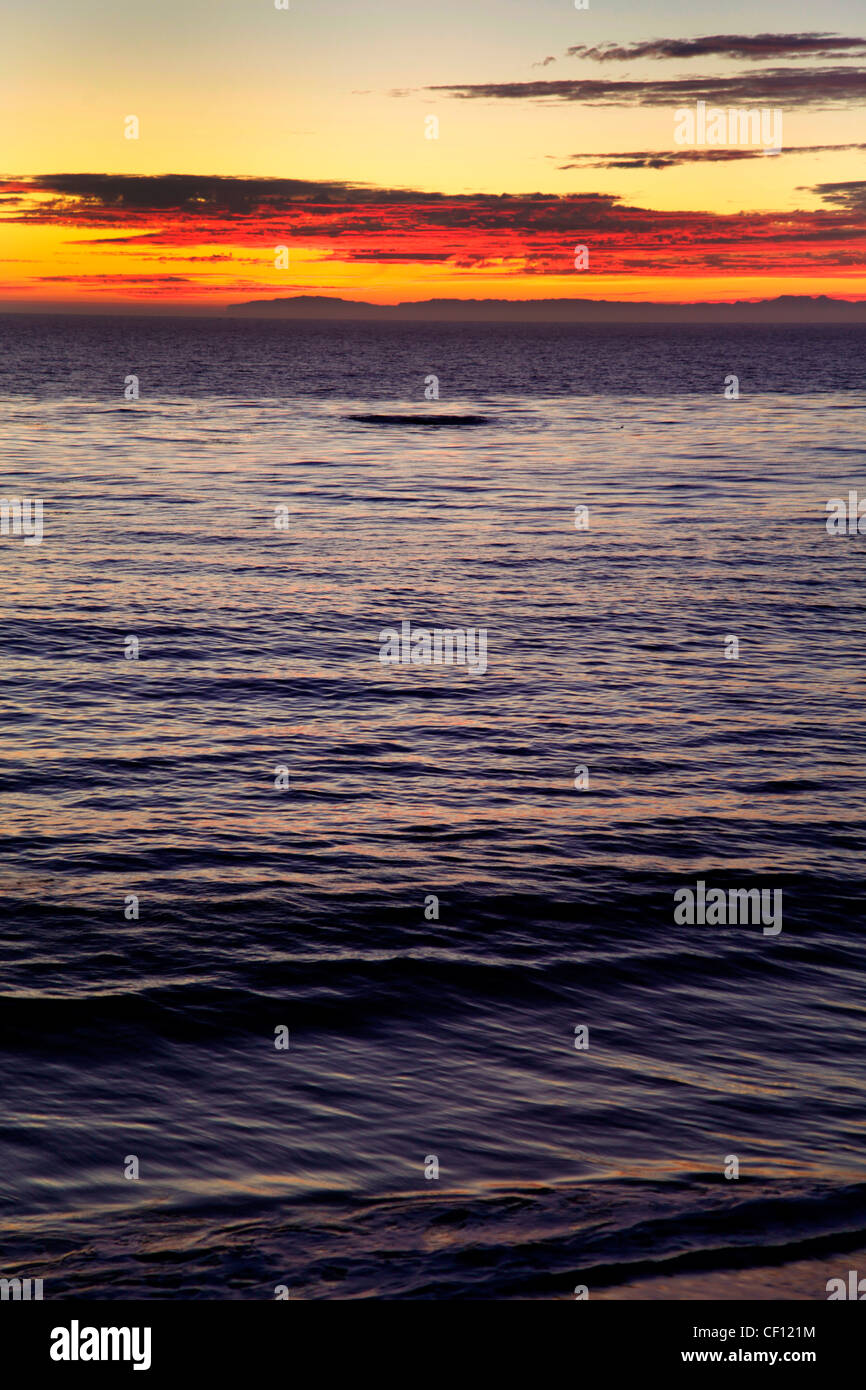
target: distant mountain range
785 309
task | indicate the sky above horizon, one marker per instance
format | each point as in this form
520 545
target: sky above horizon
402 151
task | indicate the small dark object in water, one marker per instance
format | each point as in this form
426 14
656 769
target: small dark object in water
436 420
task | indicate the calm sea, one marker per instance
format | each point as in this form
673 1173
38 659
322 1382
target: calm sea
167 907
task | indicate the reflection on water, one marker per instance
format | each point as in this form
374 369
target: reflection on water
413 1034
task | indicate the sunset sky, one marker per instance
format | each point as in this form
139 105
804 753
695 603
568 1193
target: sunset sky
308 128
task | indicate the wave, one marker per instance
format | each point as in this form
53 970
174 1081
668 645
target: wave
514 1243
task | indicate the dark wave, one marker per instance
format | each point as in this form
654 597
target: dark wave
428 421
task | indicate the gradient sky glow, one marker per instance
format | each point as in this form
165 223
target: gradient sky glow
306 128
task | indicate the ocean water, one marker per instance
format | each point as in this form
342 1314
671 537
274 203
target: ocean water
303 907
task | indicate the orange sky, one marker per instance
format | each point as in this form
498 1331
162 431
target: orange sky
400 153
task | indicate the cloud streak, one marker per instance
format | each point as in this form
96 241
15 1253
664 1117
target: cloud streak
670 159
787 87
850 196
741 46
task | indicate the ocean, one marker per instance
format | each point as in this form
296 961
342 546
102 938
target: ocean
357 979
